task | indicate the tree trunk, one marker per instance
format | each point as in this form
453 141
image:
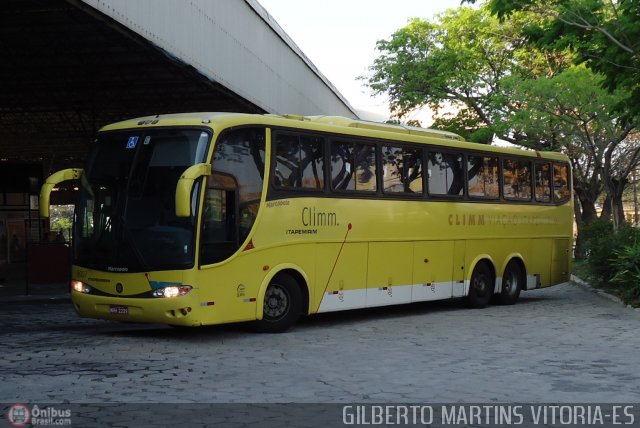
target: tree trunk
605 214
618 211
585 214
615 189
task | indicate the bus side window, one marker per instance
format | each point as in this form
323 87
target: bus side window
299 161
542 173
446 173
353 167
516 179
312 162
287 172
402 170
561 191
482 173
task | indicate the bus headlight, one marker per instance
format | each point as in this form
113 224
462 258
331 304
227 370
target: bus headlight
171 291
80 286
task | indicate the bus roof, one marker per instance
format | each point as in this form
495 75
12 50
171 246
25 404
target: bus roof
335 124
376 126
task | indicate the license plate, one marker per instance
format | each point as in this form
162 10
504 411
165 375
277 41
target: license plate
119 310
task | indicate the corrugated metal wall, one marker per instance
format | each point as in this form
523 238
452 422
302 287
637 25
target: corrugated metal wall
237 44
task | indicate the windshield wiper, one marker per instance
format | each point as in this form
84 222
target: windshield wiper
103 230
126 232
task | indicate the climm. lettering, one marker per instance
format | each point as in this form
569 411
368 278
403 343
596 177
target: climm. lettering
466 219
313 217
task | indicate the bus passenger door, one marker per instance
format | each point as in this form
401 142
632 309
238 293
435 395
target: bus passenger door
218 239
432 268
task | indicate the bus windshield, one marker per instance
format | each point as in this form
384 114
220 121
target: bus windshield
125 218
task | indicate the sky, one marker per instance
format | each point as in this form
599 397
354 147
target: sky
339 37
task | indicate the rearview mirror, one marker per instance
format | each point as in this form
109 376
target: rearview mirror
53 180
185 185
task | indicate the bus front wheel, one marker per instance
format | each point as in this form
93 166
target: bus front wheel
282 305
480 286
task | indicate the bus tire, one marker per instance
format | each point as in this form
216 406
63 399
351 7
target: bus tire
512 282
282 305
481 286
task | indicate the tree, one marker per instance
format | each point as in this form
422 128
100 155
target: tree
61 218
460 60
605 35
502 85
576 115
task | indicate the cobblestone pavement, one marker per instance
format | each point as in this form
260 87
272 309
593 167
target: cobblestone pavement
563 344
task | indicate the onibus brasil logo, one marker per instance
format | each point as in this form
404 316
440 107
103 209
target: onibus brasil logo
20 415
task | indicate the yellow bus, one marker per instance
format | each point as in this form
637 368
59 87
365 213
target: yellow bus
210 218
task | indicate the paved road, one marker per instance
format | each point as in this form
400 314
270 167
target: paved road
564 344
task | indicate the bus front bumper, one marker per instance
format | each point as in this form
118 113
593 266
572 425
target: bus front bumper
181 310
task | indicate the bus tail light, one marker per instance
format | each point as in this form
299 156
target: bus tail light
172 291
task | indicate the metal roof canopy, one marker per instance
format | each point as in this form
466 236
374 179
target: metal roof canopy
72 66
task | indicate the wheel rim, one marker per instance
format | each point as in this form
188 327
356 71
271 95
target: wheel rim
511 283
276 302
481 285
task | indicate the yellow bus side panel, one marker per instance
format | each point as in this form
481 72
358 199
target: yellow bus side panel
341 279
235 285
389 273
539 261
560 263
432 270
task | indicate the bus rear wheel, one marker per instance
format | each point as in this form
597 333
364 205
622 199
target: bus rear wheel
480 287
512 282
282 305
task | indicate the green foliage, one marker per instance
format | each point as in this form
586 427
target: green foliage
568 112
605 35
600 241
614 258
485 67
61 217
461 58
602 245
467 124
61 224
596 230
627 275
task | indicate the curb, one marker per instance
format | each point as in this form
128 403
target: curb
35 299
585 285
